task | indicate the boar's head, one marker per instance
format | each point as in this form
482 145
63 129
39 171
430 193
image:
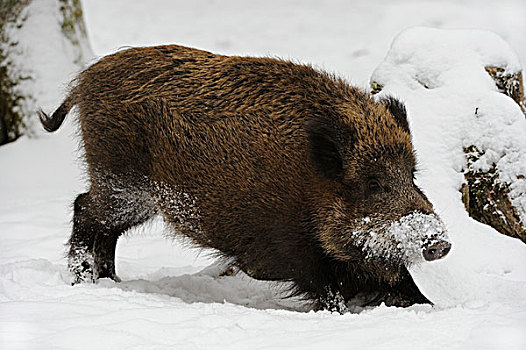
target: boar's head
371 209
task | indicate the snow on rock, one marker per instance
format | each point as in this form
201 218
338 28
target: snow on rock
453 103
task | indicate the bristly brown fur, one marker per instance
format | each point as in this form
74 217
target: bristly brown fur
267 161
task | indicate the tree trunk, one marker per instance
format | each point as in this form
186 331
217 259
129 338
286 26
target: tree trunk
11 119
19 70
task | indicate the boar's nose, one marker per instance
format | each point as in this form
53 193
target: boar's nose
436 251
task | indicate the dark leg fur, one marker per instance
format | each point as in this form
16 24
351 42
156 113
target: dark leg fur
104 253
80 257
98 222
405 293
338 287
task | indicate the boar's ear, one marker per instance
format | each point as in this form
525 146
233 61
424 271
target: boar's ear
397 109
327 140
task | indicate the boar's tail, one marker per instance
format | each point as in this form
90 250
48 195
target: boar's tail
53 122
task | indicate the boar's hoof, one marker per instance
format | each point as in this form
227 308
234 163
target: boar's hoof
436 251
332 301
82 272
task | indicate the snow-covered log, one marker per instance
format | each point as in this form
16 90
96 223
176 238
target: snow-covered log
48 34
469 84
509 83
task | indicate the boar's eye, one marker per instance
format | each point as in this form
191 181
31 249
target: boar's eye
374 186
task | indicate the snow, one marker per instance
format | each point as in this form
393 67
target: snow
172 295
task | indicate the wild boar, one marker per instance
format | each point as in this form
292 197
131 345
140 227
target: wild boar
288 171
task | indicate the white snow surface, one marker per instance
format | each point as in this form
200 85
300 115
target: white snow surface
171 295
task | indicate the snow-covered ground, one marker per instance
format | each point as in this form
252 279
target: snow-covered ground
170 297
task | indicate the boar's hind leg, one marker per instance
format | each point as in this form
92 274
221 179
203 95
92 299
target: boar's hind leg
80 257
98 221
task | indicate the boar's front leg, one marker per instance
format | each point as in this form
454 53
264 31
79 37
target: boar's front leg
336 288
99 220
402 294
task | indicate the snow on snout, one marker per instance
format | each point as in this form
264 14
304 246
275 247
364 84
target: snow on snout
403 240
415 231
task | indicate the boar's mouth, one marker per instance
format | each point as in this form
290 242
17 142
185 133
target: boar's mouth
412 239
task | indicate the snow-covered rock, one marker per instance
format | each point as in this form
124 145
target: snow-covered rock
453 103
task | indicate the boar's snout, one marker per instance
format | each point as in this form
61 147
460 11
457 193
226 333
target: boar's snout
436 251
